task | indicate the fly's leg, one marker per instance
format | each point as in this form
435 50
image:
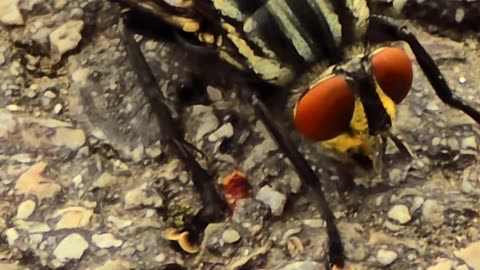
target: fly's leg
393 31
308 178
213 205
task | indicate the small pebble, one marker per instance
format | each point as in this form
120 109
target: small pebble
71 247
58 108
303 265
432 212
386 257
106 240
400 214
230 236
274 199
25 209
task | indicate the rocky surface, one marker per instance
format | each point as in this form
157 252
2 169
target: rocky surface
84 183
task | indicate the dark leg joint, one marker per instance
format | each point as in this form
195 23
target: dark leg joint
213 205
309 178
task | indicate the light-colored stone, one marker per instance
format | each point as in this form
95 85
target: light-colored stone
72 217
207 122
113 265
8 123
230 236
66 37
106 240
77 180
32 182
303 265
314 223
70 138
225 131
57 109
25 209
386 257
11 266
160 257
470 255
119 223
71 247
105 180
138 197
80 76
10 12
274 199
32 226
12 236
432 212
35 239
443 265
399 213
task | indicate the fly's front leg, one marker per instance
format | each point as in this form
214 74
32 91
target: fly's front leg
172 134
391 30
309 178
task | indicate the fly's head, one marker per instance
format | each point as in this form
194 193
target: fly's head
352 104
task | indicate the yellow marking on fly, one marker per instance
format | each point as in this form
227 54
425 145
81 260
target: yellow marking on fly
229 8
357 140
231 60
270 69
206 38
251 25
387 103
219 41
186 24
190 26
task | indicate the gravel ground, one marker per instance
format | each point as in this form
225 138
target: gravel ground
84 183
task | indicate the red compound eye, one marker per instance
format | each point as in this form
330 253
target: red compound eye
393 70
325 111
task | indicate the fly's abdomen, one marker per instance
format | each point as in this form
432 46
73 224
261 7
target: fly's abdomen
278 38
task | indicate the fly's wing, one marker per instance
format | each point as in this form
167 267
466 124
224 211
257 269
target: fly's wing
110 102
